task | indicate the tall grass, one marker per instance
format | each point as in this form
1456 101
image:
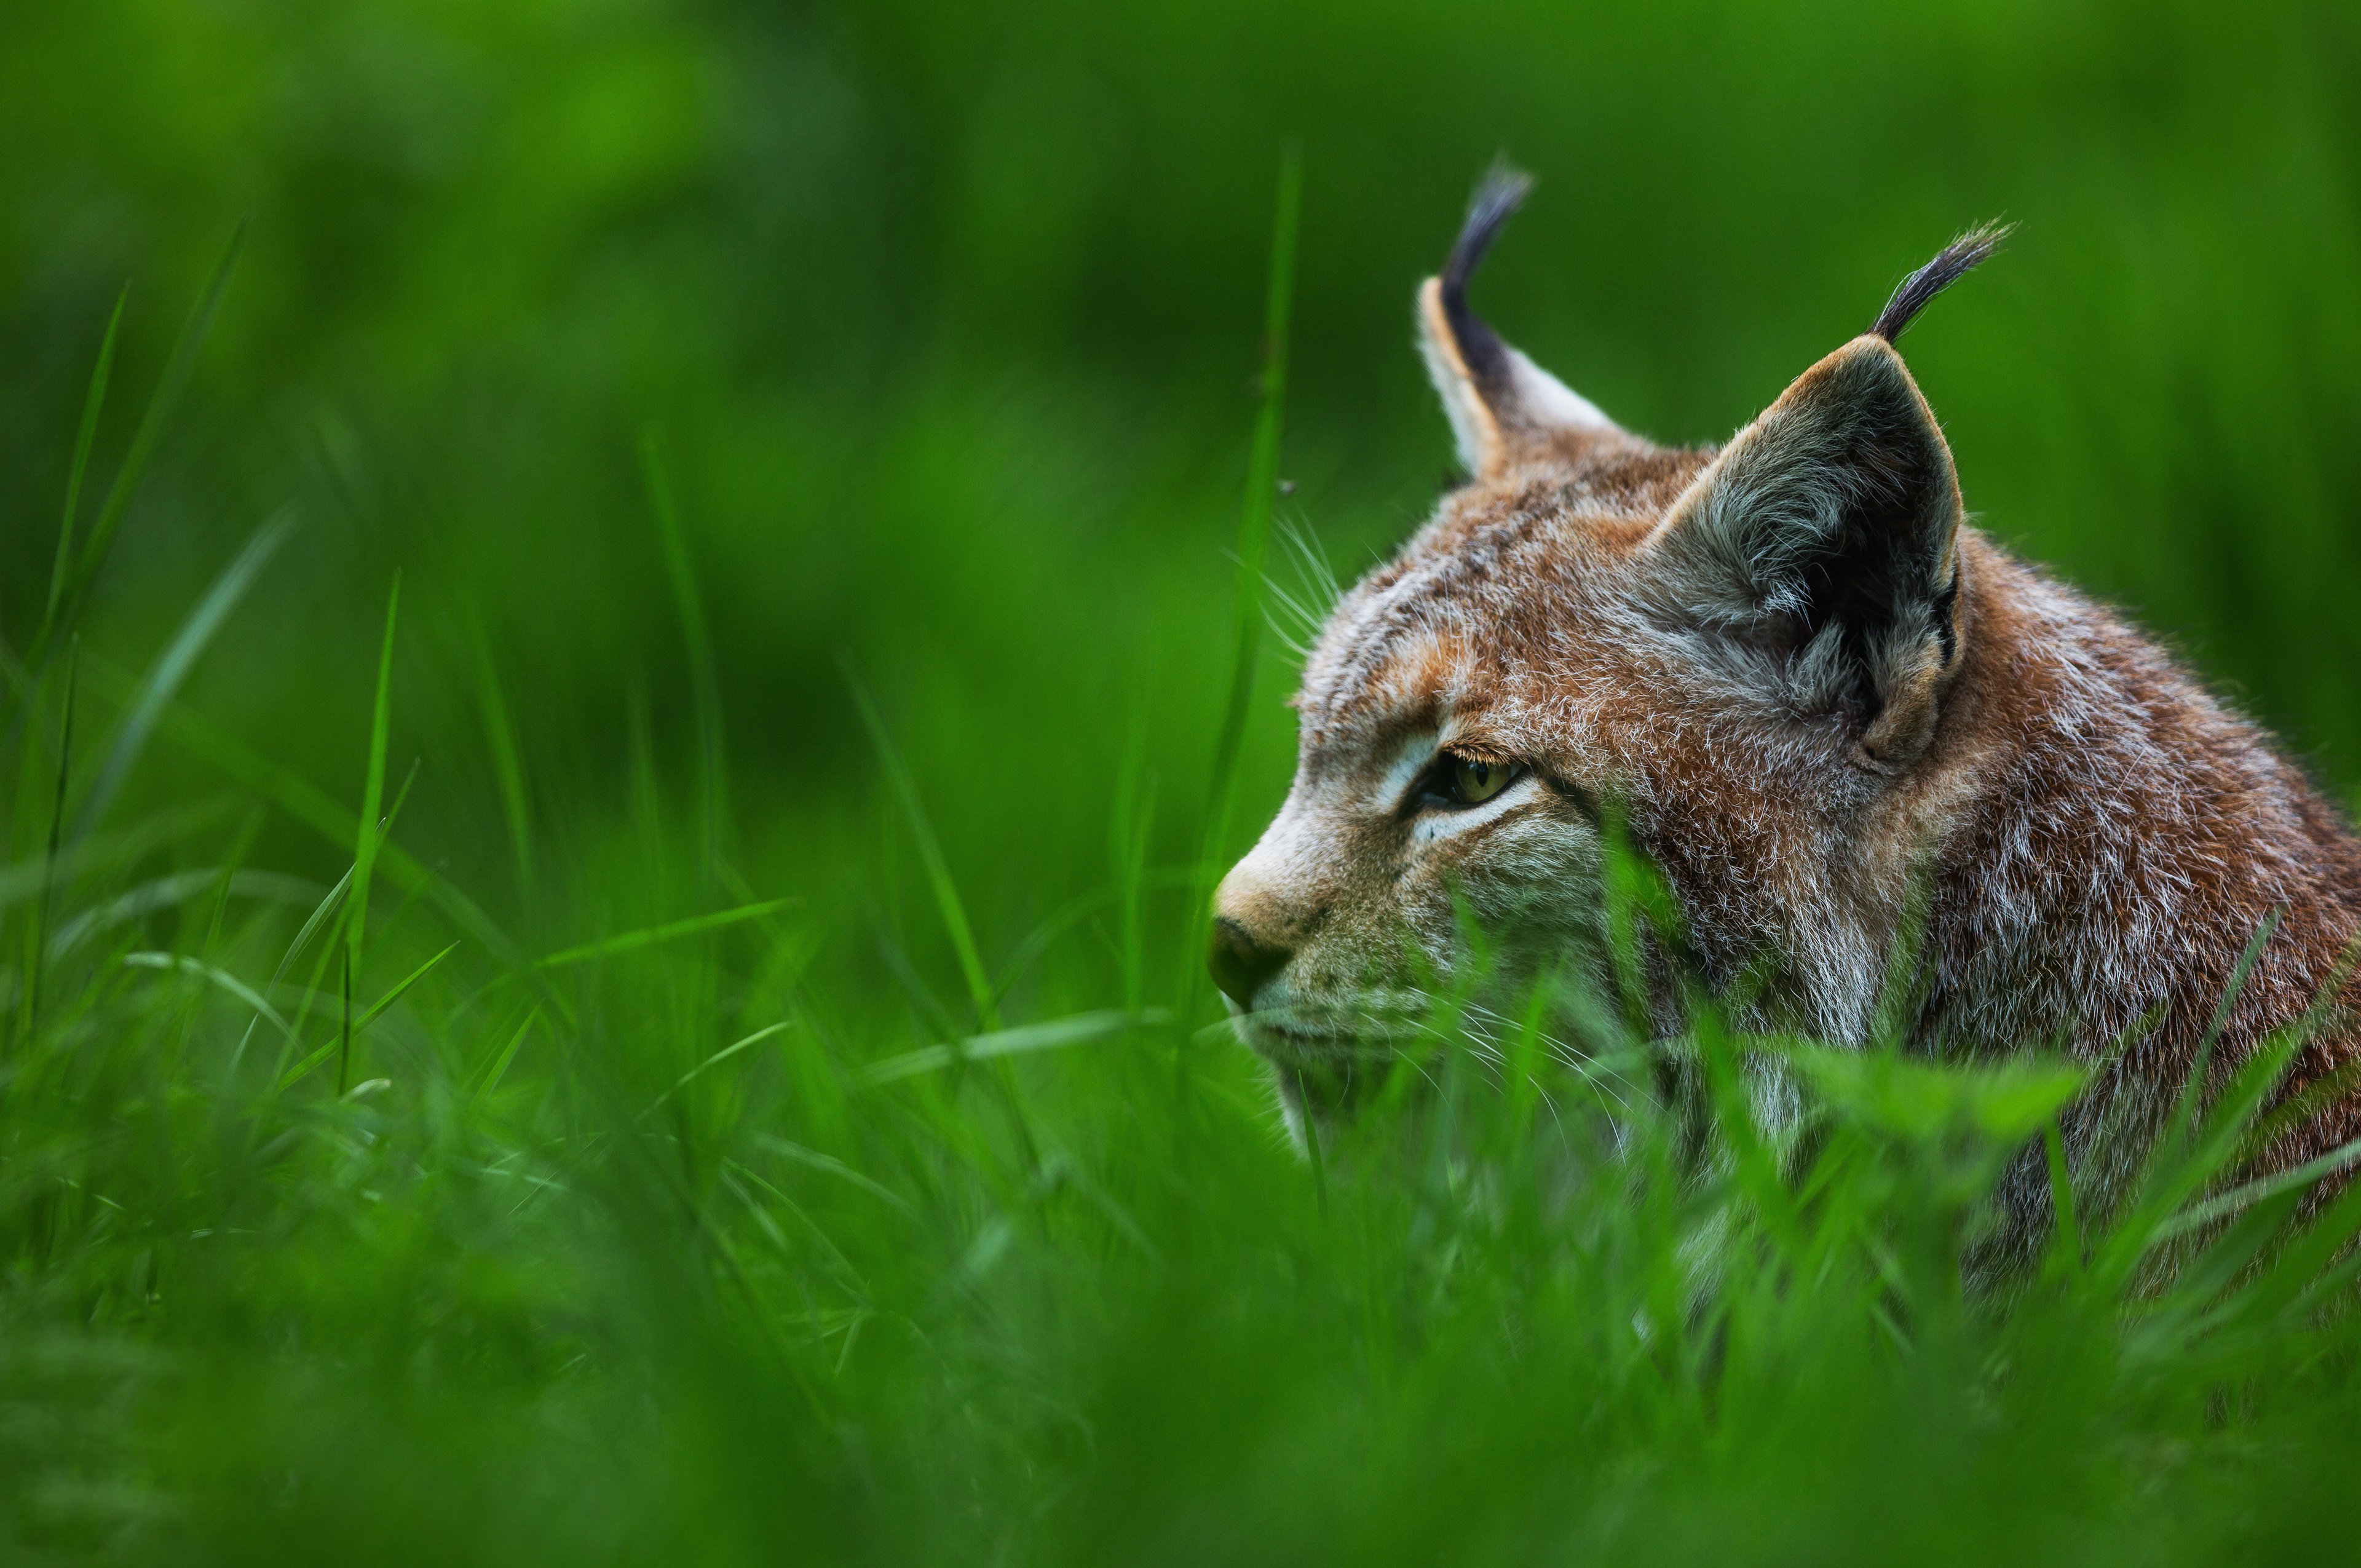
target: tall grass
646 1237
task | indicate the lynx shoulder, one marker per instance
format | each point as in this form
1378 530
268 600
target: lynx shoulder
1819 700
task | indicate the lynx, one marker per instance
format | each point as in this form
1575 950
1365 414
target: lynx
1824 706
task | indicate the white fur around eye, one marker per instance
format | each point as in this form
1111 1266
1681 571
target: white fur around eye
1393 786
1434 826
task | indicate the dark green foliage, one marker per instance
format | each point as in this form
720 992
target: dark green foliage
454 1109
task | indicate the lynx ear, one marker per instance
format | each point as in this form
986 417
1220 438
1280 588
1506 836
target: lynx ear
1823 536
1498 401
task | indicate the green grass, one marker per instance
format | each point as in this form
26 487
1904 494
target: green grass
662 1246
678 1034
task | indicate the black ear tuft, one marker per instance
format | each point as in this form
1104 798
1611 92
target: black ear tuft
1501 404
1503 190
1938 275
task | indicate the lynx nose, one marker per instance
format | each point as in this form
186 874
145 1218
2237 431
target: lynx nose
1241 965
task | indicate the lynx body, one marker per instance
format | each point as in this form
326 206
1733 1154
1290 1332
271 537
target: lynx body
1812 693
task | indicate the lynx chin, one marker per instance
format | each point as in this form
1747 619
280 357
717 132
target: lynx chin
1817 699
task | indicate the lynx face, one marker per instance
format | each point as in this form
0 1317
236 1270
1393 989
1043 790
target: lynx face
1742 654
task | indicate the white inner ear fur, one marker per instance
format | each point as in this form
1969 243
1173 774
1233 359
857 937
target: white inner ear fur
1535 399
1545 400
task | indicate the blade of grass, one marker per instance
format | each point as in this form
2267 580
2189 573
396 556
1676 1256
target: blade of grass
649 936
2061 1195
2226 1256
172 665
1130 829
400 989
233 867
329 903
353 906
2291 1110
372 794
92 403
833 1166
724 1053
2228 1128
2173 1169
143 445
2298 1271
507 760
1080 1029
2184 1112
36 959
2342 1157
508 1053
1313 1147
930 854
1757 1162
211 976
712 804
341 1043
2216 1144
1524 1063
170 892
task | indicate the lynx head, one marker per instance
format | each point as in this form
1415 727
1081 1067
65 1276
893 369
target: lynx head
1744 655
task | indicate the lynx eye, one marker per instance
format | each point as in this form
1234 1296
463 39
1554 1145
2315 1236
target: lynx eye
1457 782
1474 782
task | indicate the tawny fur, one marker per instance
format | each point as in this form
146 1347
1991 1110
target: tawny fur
1812 691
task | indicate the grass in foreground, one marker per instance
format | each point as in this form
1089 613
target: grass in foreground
666 1247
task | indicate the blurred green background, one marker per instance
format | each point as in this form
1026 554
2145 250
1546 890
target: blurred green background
948 317
946 322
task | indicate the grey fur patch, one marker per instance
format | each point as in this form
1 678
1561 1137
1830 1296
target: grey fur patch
1823 532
